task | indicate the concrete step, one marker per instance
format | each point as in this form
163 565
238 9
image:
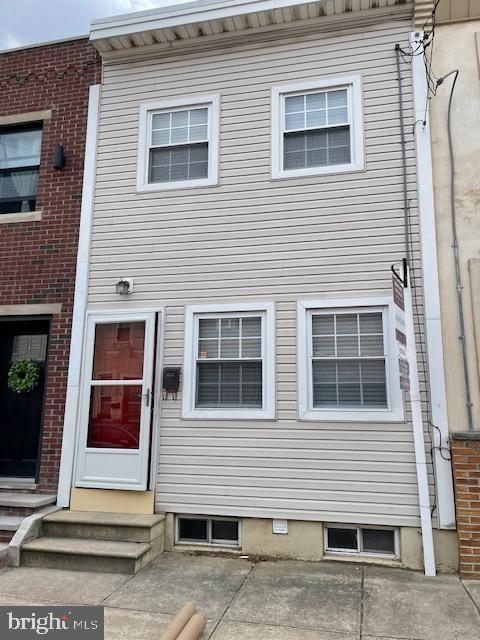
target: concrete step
116 527
10 523
30 501
89 555
17 484
8 526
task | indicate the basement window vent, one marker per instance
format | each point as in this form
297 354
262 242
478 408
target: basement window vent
367 541
222 532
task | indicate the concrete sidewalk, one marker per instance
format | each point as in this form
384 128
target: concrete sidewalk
267 601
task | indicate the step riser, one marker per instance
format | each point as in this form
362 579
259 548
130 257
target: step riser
10 488
6 536
102 532
16 511
96 563
78 562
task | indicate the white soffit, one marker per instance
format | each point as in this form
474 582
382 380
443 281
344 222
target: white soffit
195 20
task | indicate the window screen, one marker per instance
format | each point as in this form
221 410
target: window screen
229 362
348 360
316 129
179 145
19 167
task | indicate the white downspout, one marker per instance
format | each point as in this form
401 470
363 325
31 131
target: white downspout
431 292
419 440
80 303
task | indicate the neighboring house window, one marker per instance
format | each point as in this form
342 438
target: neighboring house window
178 144
19 166
348 364
229 361
317 127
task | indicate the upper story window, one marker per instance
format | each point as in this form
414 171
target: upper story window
348 363
178 144
20 149
229 352
317 127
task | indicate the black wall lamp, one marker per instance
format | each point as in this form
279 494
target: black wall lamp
124 287
59 160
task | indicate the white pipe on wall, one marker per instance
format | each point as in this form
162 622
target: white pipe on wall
419 440
431 293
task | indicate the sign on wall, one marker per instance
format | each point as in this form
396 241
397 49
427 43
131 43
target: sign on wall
400 333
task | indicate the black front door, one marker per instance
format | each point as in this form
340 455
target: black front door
21 413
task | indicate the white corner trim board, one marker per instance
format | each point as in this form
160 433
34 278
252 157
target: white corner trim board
80 302
431 293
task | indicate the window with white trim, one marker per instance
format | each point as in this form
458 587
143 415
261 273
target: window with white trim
178 144
229 355
317 127
348 364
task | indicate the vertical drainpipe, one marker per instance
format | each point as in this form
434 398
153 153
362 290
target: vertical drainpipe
431 294
415 395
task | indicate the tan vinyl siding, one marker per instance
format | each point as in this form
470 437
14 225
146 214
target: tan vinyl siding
257 239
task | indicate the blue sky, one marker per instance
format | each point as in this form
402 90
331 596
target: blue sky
25 22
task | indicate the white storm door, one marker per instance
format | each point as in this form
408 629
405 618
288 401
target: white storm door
116 403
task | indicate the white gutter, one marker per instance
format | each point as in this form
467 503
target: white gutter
431 293
80 303
419 440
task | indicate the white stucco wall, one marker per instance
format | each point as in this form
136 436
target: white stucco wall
456 46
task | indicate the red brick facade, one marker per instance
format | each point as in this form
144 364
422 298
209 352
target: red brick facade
38 259
466 469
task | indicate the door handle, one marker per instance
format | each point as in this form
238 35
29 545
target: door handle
146 396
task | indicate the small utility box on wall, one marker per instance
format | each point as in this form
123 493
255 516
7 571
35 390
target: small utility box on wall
171 380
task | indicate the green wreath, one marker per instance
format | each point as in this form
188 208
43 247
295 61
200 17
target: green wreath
24 376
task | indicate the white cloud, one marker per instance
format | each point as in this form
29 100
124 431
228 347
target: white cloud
32 21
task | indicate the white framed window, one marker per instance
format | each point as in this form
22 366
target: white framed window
317 127
178 143
348 363
366 540
229 361
218 531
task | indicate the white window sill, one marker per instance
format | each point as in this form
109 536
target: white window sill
318 415
282 174
184 184
232 414
21 216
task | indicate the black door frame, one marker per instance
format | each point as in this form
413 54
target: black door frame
35 318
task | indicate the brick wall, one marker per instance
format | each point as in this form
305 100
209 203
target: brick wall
38 259
465 449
